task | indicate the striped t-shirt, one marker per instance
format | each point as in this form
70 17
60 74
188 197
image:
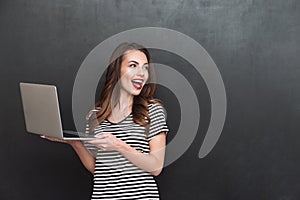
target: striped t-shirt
115 177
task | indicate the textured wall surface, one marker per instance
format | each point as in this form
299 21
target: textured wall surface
255 45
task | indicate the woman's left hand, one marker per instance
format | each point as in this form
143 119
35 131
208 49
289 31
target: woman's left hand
106 142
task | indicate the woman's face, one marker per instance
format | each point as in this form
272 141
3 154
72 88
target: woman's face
134 72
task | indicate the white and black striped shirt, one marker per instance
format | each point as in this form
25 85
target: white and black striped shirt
115 177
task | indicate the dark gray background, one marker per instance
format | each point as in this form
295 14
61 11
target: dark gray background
255 45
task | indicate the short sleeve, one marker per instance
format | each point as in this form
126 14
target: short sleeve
158 122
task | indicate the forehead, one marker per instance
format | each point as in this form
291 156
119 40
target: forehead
135 55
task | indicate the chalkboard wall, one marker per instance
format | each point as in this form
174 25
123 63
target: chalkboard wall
255 45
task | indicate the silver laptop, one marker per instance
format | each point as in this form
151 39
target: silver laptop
42 114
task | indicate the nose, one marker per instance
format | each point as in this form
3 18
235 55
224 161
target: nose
140 71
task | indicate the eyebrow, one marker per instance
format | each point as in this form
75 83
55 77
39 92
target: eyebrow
137 62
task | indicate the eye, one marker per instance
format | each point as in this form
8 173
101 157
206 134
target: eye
132 65
146 67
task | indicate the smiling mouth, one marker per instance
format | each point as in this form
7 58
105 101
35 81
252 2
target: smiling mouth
137 84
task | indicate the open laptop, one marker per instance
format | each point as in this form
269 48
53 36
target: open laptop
42 113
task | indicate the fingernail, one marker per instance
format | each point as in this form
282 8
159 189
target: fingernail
42 136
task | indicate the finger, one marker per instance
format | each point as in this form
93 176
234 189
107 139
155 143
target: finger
102 135
48 138
100 146
98 141
53 139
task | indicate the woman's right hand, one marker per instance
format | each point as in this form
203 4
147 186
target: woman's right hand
70 142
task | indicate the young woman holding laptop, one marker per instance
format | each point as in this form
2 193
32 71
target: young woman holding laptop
130 130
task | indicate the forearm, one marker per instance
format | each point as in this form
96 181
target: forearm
86 158
152 162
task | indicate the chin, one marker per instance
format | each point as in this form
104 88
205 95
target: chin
136 93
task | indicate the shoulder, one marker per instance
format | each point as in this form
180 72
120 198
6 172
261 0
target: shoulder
158 120
92 112
156 108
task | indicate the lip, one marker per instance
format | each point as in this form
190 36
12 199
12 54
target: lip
138 79
137 83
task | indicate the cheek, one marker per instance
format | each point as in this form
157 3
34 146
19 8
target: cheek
126 73
126 77
147 76
123 71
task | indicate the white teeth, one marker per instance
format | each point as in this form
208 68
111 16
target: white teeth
137 81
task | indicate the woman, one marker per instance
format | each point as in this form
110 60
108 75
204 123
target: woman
130 130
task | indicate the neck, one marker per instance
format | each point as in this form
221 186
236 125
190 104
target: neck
125 101
123 107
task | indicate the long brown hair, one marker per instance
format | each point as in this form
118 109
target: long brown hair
111 89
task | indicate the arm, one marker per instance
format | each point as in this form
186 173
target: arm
152 162
86 158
